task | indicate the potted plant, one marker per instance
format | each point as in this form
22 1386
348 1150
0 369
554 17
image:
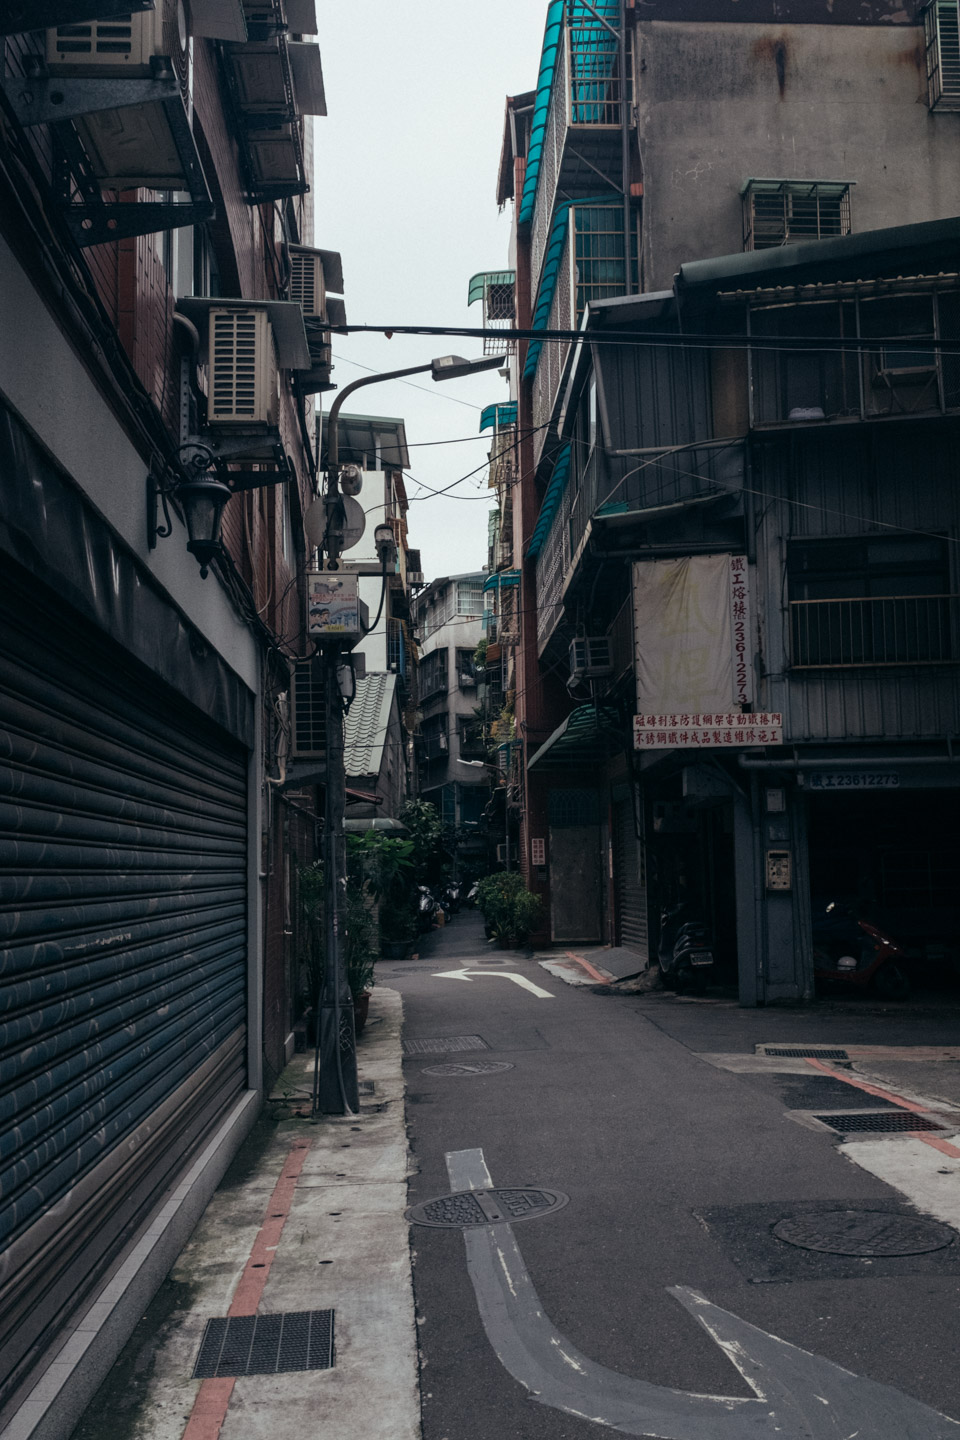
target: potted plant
510 910
360 953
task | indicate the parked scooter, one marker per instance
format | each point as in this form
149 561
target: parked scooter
849 950
473 895
427 908
451 897
684 954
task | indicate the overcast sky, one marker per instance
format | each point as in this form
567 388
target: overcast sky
405 189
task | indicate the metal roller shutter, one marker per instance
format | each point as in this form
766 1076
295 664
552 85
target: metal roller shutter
630 880
123 920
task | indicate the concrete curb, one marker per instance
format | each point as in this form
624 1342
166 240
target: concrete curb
57 1400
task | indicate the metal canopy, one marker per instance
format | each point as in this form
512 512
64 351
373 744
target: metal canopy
285 316
218 20
589 736
302 16
332 270
551 502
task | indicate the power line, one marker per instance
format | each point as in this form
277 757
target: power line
412 383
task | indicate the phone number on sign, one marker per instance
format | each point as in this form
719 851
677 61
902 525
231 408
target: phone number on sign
852 780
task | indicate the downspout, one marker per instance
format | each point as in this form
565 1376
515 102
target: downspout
625 152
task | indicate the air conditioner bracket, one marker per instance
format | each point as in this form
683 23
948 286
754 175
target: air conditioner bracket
98 224
43 100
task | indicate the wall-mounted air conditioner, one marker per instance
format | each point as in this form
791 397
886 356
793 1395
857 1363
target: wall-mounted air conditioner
590 657
244 386
307 285
126 45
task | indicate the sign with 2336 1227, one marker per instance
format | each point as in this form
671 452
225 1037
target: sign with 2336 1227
852 779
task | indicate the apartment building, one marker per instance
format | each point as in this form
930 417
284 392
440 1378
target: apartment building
165 333
732 524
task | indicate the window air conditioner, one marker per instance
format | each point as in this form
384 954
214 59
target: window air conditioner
590 657
244 386
306 282
125 45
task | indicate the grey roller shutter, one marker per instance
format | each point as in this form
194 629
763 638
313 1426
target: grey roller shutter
630 880
123 921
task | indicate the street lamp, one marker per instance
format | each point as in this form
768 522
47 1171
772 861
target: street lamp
335 1088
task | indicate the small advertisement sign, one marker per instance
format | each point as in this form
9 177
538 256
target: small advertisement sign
706 731
333 606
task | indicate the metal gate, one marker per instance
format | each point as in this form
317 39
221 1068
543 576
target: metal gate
123 845
630 879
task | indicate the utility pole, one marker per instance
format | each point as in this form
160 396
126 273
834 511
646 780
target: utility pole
335 1085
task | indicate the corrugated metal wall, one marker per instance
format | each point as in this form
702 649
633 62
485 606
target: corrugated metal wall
123 854
831 482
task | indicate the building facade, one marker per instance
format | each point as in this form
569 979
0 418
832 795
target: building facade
737 579
165 333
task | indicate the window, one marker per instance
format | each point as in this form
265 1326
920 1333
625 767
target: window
470 736
469 597
473 799
783 212
433 674
870 600
466 670
943 55
206 276
433 737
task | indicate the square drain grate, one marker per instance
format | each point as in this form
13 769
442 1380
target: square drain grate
795 1054
893 1120
449 1045
266 1344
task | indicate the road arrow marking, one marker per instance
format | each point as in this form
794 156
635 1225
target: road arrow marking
799 1396
501 974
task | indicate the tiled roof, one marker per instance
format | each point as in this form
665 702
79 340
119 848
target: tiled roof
365 728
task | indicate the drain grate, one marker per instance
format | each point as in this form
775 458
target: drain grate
785 1053
450 1044
892 1120
486 1207
469 1067
864 1232
266 1344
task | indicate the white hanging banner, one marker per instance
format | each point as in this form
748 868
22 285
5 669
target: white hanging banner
694 655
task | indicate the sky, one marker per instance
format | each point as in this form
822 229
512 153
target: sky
405 190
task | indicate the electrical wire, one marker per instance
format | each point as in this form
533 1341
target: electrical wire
412 383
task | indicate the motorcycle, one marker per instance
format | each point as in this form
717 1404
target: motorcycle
428 908
451 897
473 895
850 950
684 953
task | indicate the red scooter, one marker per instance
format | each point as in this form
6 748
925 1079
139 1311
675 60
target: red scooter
849 950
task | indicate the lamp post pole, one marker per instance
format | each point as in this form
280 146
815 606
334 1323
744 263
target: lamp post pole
335 1086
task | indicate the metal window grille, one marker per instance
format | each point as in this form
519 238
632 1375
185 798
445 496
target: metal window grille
880 630
785 212
942 29
469 597
593 64
433 674
598 254
309 724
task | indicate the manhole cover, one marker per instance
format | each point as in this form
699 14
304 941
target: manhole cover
810 1054
893 1120
487 1207
864 1232
469 1067
449 1044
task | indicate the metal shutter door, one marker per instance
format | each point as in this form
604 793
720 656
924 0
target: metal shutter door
123 845
630 888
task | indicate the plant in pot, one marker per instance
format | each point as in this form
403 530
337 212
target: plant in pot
360 953
510 910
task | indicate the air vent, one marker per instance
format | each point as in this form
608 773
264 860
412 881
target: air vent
243 368
307 282
122 46
309 732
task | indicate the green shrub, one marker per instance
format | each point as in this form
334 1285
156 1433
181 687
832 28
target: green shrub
510 910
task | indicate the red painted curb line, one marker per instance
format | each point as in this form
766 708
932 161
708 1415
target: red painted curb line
870 1089
213 1398
602 979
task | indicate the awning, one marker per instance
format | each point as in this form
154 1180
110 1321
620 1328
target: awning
481 282
551 503
589 736
552 39
503 578
551 269
307 72
496 416
375 822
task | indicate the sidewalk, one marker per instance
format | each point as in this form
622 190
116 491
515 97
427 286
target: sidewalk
308 1218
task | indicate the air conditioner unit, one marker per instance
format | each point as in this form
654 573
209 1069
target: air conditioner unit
306 282
590 657
126 45
243 368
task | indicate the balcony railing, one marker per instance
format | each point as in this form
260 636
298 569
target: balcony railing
875 630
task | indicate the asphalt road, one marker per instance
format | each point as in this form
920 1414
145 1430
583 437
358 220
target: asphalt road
675 1172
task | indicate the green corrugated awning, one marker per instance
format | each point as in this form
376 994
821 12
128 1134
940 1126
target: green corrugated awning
551 502
496 416
589 736
480 283
550 271
501 579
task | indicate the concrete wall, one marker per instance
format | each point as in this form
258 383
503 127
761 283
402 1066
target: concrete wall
719 103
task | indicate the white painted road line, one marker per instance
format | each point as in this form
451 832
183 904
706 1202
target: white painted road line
799 1396
495 974
929 1178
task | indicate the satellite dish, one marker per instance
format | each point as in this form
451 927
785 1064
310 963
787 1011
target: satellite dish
354 522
